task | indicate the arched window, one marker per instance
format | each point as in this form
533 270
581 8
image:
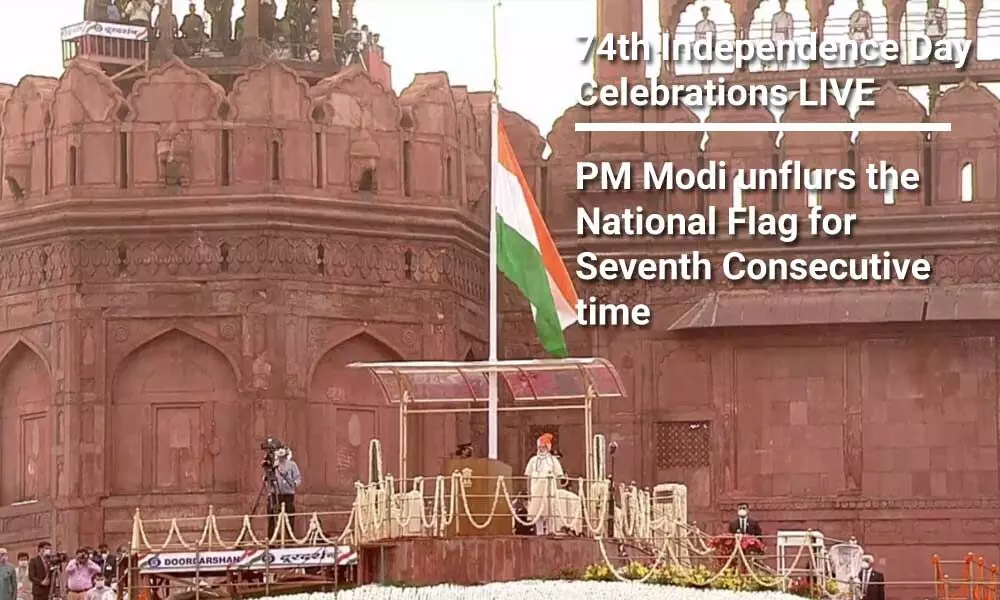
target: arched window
74 165
968 182
813 198
889 193
275 161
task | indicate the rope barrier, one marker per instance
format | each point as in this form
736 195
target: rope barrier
385 508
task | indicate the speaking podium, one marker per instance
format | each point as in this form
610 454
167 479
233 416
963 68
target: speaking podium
479 481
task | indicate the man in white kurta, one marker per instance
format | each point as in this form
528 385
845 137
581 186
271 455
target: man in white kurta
543 472
782 29
861 27
705 30
935 24
139 12
861 24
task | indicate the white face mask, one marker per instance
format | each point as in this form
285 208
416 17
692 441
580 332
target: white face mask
23 564
742 514
104 555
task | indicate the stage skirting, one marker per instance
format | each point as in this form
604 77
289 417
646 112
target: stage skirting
472 560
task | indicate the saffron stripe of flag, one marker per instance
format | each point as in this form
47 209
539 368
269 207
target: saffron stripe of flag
526 253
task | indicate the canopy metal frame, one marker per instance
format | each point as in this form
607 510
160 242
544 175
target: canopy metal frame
436 387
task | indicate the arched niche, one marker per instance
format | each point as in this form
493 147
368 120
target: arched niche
269 93
760 14
748 150
84 94
683 22
26 109
26 429
176 107
822 150
272 126
85 111
26 121
175 92
429 96
345 409
911 18
835 22
902 149
176 423
342 92
974 114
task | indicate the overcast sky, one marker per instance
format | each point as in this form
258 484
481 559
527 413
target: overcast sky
540 66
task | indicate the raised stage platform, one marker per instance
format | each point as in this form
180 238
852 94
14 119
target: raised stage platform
472 560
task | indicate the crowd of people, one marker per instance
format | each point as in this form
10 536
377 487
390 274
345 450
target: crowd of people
91 574
293 35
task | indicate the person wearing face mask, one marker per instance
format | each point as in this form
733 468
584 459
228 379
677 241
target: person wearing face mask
8 577
39 570
100 591
543 473
872 581
23 585
743 524
106 561
81 571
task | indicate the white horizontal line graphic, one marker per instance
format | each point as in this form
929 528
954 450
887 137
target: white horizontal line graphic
763 127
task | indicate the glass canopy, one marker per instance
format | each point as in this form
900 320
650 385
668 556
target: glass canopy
549 380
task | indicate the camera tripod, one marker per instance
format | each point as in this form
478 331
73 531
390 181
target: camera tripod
55 582
268 485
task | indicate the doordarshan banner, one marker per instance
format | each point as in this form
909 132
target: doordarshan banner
223 560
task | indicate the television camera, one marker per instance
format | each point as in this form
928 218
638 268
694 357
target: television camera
269 485
270 447
58 560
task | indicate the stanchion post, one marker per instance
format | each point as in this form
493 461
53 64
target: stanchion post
267 560
197 572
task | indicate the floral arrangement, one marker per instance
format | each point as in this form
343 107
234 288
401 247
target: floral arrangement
554 589
699 577
807 588
725 544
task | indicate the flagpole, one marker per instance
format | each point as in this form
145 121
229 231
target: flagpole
494 398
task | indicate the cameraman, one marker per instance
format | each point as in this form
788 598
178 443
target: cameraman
39 572
286 479
81 571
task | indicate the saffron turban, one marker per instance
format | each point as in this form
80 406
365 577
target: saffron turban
545 440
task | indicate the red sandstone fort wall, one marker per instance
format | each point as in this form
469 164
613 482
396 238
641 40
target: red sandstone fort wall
152 335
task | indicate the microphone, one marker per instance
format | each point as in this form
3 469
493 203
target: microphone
612 448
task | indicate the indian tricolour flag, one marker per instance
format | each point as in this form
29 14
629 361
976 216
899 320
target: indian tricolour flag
526 253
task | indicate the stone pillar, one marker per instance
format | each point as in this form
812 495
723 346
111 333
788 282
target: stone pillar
669 27
165 33
346 14
972 10
896 10
250 44
326 30
618 17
